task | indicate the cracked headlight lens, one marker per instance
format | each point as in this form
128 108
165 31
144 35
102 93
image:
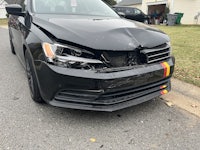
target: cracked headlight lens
68 56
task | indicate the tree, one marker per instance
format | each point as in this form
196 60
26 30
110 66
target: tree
110 2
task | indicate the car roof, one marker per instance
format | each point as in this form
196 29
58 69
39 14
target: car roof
124 7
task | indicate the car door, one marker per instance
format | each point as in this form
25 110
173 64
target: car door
129 13
138 15
17 28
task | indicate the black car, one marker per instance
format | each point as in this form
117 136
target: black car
80 54
133 14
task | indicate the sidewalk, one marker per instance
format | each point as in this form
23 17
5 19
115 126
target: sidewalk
185 96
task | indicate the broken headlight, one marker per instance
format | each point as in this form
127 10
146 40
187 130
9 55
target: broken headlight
70 57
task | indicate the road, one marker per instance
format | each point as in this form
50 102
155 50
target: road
25 125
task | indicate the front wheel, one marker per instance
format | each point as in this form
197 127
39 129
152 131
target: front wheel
32 81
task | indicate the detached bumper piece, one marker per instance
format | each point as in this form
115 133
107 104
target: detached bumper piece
110 101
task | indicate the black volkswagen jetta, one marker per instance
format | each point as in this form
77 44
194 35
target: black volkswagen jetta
80 54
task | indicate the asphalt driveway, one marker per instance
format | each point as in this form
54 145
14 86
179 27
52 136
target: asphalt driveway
27 125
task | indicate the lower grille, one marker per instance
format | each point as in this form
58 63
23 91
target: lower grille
157 54
109 98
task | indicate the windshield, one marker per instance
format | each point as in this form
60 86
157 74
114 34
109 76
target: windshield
73 7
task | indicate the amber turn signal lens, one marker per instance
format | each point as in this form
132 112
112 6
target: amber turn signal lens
164 92
48 50
163 87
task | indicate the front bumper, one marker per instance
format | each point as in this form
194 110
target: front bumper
89 90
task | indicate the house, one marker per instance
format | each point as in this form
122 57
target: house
131 3
2 9
190 8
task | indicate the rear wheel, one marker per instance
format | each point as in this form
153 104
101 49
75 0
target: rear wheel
11 44
32 81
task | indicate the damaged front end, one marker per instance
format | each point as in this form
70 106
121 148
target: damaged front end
103 60
103 80
104 70
91 59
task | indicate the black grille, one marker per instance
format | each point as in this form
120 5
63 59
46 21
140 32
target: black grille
157 54
119 59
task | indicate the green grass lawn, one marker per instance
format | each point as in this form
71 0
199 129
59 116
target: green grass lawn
185 42
3 21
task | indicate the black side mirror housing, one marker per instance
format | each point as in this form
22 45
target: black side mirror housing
14 9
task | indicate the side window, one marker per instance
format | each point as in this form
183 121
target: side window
123 10
137 12
120 9
127 11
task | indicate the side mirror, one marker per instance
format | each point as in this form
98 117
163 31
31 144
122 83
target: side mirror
14 9
121 14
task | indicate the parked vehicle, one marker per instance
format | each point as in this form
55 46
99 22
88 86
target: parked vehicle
81 54
133 14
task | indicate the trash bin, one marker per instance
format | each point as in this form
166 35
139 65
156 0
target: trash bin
157 22
179 16
171 19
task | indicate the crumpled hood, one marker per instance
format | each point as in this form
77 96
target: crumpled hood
101 33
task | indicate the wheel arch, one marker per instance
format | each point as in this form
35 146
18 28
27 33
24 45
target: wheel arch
24 49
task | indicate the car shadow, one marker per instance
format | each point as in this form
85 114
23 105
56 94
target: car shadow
87 117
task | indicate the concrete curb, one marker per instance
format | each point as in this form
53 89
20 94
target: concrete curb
4 26
185 96
186 89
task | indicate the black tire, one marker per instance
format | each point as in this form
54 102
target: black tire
11 44
32 81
